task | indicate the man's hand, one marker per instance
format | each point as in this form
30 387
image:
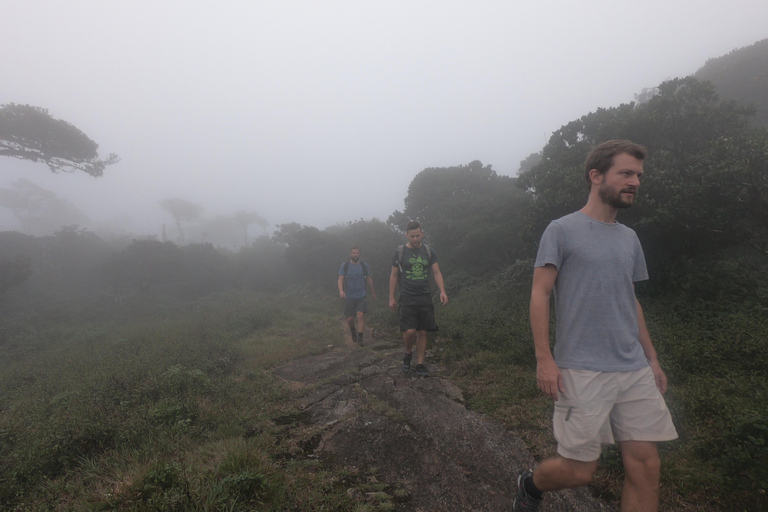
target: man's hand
443 298
392 304
373 295
549 378
342 294
659 376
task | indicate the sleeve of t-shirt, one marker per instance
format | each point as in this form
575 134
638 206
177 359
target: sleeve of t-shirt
395 263
551 247
433 259
367 269
341 269
640 272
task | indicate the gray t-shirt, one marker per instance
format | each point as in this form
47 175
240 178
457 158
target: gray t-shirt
595 302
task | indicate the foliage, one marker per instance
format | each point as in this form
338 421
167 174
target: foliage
715 360
182 211
30 133
742 75
313 255
39 211
471 215
243 219
144 264
163 406
705 184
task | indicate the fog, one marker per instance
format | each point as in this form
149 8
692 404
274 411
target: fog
323 112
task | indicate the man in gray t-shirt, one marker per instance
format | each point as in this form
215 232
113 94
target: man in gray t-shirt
604 376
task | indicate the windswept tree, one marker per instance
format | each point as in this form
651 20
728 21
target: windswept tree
30 133
39 211
244 219
181 211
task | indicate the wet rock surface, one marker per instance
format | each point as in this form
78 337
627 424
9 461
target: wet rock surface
416 432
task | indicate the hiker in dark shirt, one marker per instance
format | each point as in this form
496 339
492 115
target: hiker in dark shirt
411 266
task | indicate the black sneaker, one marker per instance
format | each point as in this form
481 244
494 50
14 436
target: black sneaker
360 337
422 371
524 502
407 362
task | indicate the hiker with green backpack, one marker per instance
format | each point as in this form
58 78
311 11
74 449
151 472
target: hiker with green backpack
353 275
411 266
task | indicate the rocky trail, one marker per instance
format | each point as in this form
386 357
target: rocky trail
416 432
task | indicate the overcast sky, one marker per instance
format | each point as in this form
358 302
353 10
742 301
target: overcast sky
322 112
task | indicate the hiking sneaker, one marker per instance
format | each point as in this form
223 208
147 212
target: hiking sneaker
360 337
407 362
422 371
524 502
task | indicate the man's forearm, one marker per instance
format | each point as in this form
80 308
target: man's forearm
540 327
392 286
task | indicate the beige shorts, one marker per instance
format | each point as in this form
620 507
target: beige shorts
600 408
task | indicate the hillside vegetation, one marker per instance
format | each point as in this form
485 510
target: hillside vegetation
135 374
742 76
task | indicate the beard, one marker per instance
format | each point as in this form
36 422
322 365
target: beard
613 198
355 258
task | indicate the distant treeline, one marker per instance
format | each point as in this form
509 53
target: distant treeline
702 216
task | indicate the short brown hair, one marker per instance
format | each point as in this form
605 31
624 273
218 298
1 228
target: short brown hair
601 158
414 224
353 248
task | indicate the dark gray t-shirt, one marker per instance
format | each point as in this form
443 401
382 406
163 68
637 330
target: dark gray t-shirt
595 302
414 277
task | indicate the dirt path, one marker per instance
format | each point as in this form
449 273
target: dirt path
416 432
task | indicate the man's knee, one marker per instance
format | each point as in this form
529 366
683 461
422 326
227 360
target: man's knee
360 315
581 472
641 459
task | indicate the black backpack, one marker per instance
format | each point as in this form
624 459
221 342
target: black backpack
362 263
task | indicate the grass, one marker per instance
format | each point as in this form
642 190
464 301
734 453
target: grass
166 406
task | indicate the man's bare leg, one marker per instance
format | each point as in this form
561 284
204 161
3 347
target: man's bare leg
642 468
409 339
360 323
421 346
351 324
561 473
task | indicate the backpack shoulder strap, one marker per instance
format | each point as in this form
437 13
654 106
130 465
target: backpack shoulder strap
362 264
429 255
400 250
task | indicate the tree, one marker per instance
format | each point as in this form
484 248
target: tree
470 211
741 75
181 211
312 254
142 265
30 133
244 219
40 211
705 186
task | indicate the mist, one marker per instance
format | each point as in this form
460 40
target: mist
322 113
